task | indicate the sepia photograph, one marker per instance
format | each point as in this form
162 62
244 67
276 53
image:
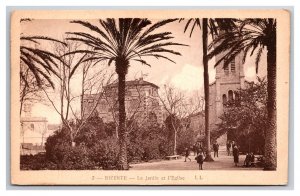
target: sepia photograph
143 97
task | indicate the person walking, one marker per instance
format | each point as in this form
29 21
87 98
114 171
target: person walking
199 158
235 155
232 147
216 149
187 154
228 147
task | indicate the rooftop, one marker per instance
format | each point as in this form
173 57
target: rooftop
137 82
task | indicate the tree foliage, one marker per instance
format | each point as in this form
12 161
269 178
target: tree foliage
123 41
253 37
245 118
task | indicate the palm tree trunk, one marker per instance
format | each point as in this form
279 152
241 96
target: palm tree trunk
270 135
208 157
123 163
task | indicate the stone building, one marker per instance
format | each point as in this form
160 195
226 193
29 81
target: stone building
227 81
34 132
141 101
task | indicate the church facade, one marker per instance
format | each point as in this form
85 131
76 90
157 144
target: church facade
228 80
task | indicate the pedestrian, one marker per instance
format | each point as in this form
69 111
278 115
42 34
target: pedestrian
216 149
247 161
200 149
187 154
235 155
232 147
252 159
199 158
228 147
233 144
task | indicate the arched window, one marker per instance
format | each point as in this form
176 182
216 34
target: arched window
230 95
224 99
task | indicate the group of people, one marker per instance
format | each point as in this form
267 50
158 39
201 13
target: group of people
198 152
230 146
249 160
232 150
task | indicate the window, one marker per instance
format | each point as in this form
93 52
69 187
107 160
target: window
32 127
226 69
230 95
232 66
224 99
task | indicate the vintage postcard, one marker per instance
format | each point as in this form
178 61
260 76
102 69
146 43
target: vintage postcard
150 97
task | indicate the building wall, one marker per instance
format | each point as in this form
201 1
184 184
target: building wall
34 129
34 133
140 101
229 78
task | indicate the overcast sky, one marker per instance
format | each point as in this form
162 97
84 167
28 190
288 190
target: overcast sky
186 74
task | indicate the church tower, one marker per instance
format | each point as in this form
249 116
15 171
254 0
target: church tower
228 79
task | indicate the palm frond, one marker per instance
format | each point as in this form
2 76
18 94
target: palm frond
142 61
156 26
35 38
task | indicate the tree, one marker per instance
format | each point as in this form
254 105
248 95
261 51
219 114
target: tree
179 107
245 118
36 66
252 37
64 99
40 62
212 27
122 41
30 92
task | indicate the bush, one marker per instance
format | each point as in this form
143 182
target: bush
36 162
96 148
105 154
147 143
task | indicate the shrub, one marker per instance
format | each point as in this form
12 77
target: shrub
105 153
147 143
95 147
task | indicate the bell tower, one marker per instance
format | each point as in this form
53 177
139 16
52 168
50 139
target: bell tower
228 79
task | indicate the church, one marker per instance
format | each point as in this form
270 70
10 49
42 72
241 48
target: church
228 80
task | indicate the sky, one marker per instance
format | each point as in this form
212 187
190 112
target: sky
186 74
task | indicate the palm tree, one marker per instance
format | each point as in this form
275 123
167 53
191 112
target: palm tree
122 41
253 36
212 27
40 62
37 63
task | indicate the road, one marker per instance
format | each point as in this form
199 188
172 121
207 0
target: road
223 162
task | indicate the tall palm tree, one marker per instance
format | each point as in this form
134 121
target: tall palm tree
209 27
122 41
252 37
